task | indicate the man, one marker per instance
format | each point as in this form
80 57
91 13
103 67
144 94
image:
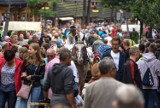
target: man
102 48
128 96
51 53
34 39
60 79
101 93
149 68
73 36
96 43
117 56
45 38
126 46
131 74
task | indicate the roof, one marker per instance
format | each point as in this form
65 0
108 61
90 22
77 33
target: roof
15 2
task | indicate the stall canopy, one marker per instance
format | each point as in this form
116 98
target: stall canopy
24 26
66 18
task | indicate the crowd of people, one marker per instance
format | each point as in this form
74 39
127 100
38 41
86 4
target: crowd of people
44 62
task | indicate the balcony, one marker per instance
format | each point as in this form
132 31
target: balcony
13 2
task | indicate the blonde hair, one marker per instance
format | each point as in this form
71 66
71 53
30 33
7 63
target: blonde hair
38 58
95 69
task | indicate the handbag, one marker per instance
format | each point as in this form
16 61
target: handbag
25 89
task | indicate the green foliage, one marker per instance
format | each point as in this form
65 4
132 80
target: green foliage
147 11
35 10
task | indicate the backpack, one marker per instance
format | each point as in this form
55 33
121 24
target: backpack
148 78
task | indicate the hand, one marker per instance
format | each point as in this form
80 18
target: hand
24 74
29 77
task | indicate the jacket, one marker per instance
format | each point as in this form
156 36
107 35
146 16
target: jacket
17 76
130 77
121 63
149 60
60 79
36 76
101 93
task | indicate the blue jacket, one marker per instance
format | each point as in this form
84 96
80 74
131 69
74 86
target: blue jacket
121 63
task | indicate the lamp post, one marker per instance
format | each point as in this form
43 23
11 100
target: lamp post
7 15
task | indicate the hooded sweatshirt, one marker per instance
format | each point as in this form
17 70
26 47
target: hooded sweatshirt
149 60
60 79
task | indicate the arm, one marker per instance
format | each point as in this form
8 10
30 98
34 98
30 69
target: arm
70 98
40 73
68 87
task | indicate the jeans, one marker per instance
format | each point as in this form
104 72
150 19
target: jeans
9 97
149 97
35 95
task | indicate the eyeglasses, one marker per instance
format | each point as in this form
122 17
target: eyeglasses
50 56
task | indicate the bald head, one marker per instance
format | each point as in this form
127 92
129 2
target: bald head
128 96
51 54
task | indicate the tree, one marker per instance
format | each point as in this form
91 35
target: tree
147 11
35 8
110 4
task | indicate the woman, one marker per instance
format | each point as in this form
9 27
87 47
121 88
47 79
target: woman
10 80
44 48
23 53
32 72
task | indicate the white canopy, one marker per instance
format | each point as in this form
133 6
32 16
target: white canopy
66 18
24 26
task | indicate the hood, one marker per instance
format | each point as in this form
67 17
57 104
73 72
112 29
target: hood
149 56
57 68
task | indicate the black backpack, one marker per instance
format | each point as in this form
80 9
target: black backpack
148 78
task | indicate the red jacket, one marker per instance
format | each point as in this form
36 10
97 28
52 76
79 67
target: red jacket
17 76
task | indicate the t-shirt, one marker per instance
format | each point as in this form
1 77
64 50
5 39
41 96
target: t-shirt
116 57
7 78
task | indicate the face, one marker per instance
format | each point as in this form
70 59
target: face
14 40
115 46
21 37
31 51
50 56
43 51
137 55
68 61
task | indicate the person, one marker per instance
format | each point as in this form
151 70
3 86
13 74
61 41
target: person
34 39
101 93
45 38
44 48
32 72
102 48
23 53
14 39
73 36
131 74
157 52
117 55
10 80
126 46
21 40
149 61
128 96
95 72
97 43
63 91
